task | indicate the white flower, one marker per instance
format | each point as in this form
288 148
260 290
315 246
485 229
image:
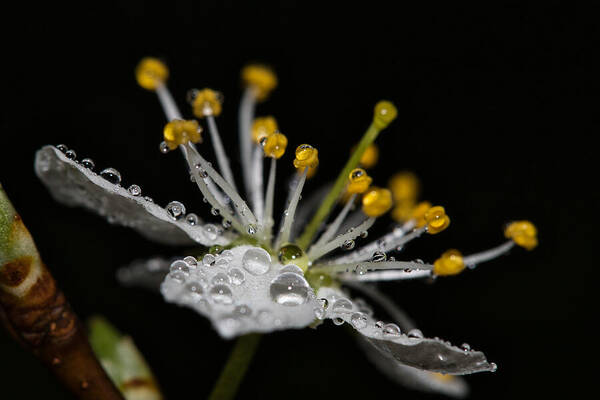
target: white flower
253 280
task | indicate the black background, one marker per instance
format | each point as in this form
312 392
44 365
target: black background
494 116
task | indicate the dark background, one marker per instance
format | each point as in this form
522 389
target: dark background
494 116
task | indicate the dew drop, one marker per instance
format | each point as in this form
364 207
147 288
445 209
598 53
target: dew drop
221 294
321 310
208 260
191 261
242 311
62 148
360 269
175 209
348 244
221 262
210 231
134 190
289 289
294 269
251 229
494 367
180 265
163 147
338 321
226 224
236 275
227 255
71 155
191 219
214 211
379 256
415 333
364 234
148 199
221 279
88 163
342 306
256 261
359 320
391 329
193 291
465 347
111 175
177 276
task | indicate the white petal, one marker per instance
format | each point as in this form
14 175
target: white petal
75 185
145 273
428 354
241 296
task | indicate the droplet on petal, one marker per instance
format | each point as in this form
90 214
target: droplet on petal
289 289
256 261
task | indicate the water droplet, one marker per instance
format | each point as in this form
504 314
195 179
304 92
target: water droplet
321 309
221 294
214 211
415 333
193 291
251 229
494 367
391 329
227 255
175 209
364 234
379 256
419 261
203 174
465 347
289 289
192 219
360 269
359 320
111 175
180 265
163 147
88 163
348 244
177 276
210 231
221 262
148 199
134 190
242 311
342 306
379 324
226 224
71 155
256 261
191 261
392 259
236 275
294 269
208 260
221 279
62 148
338 321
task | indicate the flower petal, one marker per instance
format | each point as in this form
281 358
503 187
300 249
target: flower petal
242 290
147 274
414 378
434 355
71 183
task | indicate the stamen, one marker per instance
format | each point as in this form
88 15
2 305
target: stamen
335 225
288 214
222 158
385 113
363 267
267 221
315 252
168 104
477 258
246 115
381 276
258 201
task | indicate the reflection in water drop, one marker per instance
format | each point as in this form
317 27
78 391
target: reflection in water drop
236 275
256 261
221 294
289 289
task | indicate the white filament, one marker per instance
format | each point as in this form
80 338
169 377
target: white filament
335 225
316 252
288 215
167 103
487 255
257 199
246 115
267 222
388 242
220 151
371 266
385 275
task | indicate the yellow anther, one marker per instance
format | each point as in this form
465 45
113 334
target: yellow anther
151 72
418 213
450 263
370 156
403 211
274 145
385 112
376 202
436 219
359 181
179 132
262 127
404 186
261 78
523 233
207 102
306 156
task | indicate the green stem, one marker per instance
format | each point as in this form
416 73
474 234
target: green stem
236 367
333 195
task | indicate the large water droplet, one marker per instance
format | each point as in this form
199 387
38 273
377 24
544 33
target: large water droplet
221 294
221 279
415 333
236 275
256 261
391 329
180 265
289 289
192 219
359 320
208 260
193 291
175 209
111 175
342 306
88 163
191 261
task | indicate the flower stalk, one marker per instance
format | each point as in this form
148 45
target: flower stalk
37 314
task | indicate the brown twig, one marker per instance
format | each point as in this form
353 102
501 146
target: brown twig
37 314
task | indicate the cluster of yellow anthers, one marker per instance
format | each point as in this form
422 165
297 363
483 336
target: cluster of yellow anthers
403 187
